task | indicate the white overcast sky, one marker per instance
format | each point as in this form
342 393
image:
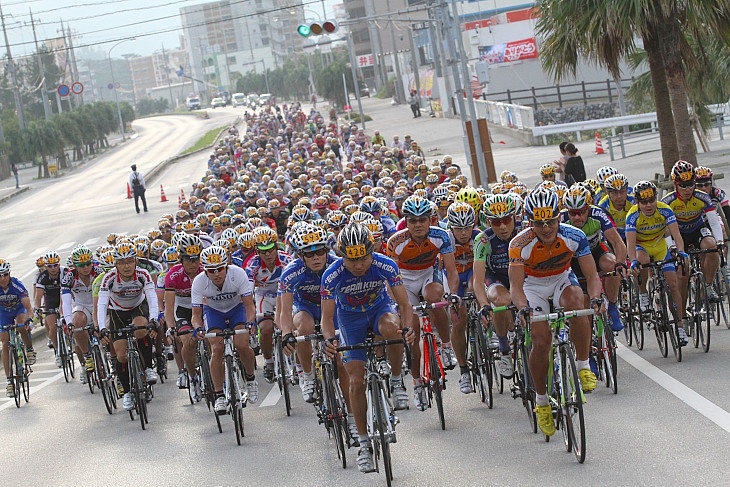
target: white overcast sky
102 22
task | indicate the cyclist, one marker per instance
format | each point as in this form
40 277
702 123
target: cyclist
223 294
15 308
461 221
704 182
178 308
127 296
48 290
264 270
416 249
539 268
617 201
547 173
352 288
77 302
491 264
599 229
699 226
646 225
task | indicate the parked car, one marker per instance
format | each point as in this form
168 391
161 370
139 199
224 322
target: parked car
217 102
193 103
364 90
239 99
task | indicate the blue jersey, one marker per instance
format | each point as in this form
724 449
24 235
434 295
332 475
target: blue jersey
304 283
388 226
364 293
494 251
11 297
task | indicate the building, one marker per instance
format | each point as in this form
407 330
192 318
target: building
156 70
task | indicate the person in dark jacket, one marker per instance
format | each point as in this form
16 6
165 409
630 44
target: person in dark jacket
575 171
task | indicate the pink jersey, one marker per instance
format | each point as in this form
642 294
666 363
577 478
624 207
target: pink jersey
178 280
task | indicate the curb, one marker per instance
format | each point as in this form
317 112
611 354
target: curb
162 165
13 195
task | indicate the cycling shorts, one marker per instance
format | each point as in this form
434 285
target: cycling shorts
50 310
464 280
597 253
185 315
215 319
539 289
694 238
265 303
314 311
87 312
123 318
416 282
494 279
658 253
8 317
354 326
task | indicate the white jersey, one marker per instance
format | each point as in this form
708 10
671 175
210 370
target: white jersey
225 298
75 293
122 295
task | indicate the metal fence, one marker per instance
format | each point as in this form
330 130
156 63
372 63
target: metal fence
505 114
559 95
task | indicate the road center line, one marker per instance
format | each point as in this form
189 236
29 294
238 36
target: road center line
272 397
693 399
34 389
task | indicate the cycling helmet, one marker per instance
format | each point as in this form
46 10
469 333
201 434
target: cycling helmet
153 235
547 169
441 191
81 255
181 215
308 238
703 173
549 185
336 219
510 177
230 234
369 204
461 215
593 186
542 204
189 246
616 182
245 241
171 256
254 223
605 172
106 259
111 238
4 266
355 241
300 213
142 249
51 257
432 178
470 196
176 238
252 211
123 251
163 224
519 203
352 208
645 190
40 262
158 246
443 202
499 206
577 198
225 220
375 227
265 237
416 206
320 222
191 226
213 257
223 243
683 171
69 262
359 217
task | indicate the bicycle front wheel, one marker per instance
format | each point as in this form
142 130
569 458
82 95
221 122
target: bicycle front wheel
62 352
436 380
524 383
609 359
636 317
14 373
337 413
484 367
25 376
234 398
624 306
672 322
283 376
381 425
102 373
703 316
573 403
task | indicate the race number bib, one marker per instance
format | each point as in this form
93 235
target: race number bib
542 214
355 251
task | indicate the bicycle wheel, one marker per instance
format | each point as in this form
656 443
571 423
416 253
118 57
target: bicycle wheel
672 323
702 316
381 426
625 310
283 376
13 373
436 380
609 359
474 369
70 346
335 411
572 401
103 376
636 317
62 352
233 394
523 381
661 325
725 287
485 370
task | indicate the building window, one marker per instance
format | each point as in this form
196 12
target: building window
231 60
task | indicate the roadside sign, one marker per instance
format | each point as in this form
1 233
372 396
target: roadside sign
63 90
110 86
116 85
52 168
348 108
77 88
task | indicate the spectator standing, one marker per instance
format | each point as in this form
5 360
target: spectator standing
415 104
136 182
14 168
561 161
575 171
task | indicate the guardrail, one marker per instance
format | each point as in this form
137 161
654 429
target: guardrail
505 114
568 94
599 123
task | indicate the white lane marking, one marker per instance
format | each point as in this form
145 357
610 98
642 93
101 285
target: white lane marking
272 397
91 241
27 274
65 246
699 403
38 251
33 390
13 255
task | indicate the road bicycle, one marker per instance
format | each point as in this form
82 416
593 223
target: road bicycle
142 391
20 369
101 377
663 310
433 374
381 420
234 390
564 389
603 350
66 346
283 370
699 308
630 312
523 386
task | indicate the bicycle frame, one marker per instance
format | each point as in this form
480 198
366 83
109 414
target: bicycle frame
428 339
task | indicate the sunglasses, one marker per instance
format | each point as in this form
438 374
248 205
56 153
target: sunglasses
267 251
6 274
216 270
85 264
418 219
545 223
649 201
318 252
702 185
687 185
577 212
498 222
52 266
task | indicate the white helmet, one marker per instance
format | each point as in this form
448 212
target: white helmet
214 257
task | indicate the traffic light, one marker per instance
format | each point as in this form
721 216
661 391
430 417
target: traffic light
316 28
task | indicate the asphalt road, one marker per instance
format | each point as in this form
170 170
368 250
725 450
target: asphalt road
669 422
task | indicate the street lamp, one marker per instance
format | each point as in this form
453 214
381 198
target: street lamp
116 97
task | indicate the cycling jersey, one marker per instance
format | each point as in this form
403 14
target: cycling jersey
118 295
413 256
266 282
649 229
464 253
10 298
177 280
239 259
75 293
596 224
618 216
694 213
540 260
150 266
388 226
494 251
51 287
223 299
364 293
305 285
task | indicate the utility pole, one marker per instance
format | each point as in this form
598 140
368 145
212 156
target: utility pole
74 67
414 61
355 81
381 73
13 75
44 88
398 79
167 75
434 34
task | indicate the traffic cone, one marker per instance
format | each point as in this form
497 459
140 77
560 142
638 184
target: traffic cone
182 195
163 198
129 192
599 146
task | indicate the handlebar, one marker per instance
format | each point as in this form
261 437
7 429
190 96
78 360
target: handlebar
424 307
563 314
368 345
226 333
309 338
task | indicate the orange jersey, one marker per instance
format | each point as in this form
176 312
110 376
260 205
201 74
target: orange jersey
540 260
411 256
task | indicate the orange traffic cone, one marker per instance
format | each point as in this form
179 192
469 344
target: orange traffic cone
129 192
163 198
182 195
599 146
